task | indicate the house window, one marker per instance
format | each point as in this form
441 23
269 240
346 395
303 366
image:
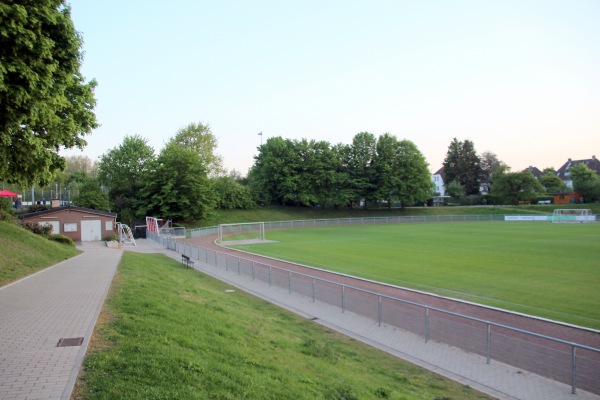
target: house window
109 226
55 226
70 227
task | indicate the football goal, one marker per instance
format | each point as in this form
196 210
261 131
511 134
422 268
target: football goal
573 216
246 231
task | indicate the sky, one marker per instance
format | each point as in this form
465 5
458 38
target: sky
520 79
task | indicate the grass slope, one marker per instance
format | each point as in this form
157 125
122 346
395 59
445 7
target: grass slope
172 333
549 270
280 213
23 253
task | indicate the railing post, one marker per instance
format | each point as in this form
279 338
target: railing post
489 342
573 370
343 298
426 324
379 310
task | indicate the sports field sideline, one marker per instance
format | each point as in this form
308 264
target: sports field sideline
543 269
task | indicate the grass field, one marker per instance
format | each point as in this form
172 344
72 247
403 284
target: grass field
543 269
169 332
281 213
22 253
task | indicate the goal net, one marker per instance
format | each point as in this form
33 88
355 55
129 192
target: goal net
242 232
573 216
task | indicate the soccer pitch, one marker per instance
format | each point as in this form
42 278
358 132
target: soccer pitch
537 268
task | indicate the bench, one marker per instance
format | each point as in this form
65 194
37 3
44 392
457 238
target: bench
187 261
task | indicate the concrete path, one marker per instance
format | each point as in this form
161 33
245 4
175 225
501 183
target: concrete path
62 301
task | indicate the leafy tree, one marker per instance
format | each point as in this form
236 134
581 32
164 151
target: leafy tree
387 180
414 174
455 190
198 137
340 194
45 105
462 164
303 173
512 187
361 156
489 164
238 177
92 196
321 174
80 165
275 171
401 172
586 182
551 182
123 170
233 195
178 186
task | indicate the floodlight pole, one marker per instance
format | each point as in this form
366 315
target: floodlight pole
260 134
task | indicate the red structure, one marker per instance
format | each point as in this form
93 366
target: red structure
568 198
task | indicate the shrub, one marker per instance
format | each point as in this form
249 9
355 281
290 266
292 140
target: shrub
6 216
62 239
43 230
37 207
114 237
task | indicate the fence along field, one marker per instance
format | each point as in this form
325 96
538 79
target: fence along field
537 268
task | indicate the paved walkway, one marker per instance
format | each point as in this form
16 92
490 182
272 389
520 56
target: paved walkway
64 302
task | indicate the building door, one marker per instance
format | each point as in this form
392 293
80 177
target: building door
91 230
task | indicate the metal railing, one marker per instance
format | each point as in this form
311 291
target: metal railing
571 363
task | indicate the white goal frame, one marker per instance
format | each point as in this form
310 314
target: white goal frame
242 227
572 216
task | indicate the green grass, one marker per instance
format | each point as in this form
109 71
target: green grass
168 332
23 253
544 269
280 213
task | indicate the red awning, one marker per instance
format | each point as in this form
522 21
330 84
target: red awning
8 193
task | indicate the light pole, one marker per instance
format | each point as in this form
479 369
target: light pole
260 134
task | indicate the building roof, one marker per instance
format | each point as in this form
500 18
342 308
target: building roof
535 171
439 171
592 163
105 213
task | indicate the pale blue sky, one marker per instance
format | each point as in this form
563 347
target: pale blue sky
518 78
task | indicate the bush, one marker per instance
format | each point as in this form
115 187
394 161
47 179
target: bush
6 210
37 207
62 239
43 230
112 238
6 216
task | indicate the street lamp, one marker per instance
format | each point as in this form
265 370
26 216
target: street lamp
260 134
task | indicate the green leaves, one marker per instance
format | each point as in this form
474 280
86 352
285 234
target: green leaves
311 173
462 164
513 187
586 182
45 105
178 186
